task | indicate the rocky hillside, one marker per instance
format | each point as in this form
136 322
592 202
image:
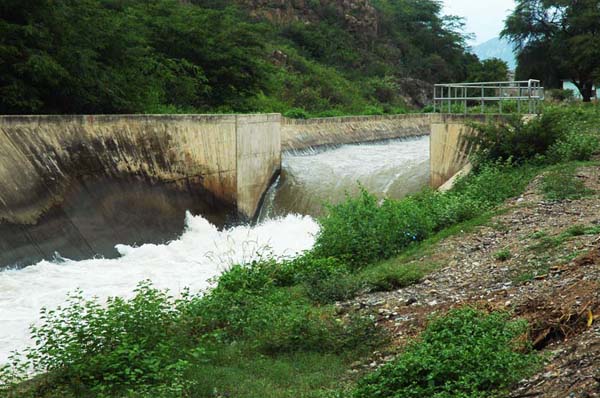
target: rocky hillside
357 16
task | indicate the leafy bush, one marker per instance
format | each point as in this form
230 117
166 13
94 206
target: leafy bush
249 305
126 346
328 280
359 230
518 139
560 133
373 110
466 353
574 146
561 94
387 276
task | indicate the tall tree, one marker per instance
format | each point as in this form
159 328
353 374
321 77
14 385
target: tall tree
557 39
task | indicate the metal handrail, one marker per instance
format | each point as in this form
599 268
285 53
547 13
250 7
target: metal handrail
529 91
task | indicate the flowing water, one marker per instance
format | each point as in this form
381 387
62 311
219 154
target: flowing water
310 178
391 169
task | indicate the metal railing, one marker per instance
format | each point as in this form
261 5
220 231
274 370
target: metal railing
516 96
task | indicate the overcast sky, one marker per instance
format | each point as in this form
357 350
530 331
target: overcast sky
484 18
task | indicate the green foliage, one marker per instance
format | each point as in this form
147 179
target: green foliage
574 146
325 280
249 304
123 347
560 95
559 134
159 56
466 353
296 113
518 139
388 275
234 372
489 70
563 184
96 56
360 230
556 40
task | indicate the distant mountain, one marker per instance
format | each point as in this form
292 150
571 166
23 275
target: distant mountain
497 48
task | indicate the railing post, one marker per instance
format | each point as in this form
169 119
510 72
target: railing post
482 99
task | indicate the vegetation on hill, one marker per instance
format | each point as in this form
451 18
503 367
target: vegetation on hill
169 56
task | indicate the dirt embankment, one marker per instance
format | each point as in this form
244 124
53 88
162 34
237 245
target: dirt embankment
538 259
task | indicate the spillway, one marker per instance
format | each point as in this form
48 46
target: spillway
311 178
287 227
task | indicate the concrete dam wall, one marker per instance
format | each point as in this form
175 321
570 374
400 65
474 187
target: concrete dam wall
301 134
78 185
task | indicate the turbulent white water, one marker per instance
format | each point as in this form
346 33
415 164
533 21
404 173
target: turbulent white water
388 169
201 253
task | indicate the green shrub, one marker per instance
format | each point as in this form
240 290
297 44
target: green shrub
373 110
561 94
326 280
518 139
388 276
126 346
466 353
359 230
574 146
563 184
249 304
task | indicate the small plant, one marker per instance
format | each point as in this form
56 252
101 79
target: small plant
539 234
296 113
503 255
466 353
576 230
388 276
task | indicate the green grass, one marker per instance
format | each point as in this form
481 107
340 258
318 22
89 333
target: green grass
563 184
231 373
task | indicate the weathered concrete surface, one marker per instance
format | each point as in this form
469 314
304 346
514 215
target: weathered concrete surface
302 134
449 149
258 159
80 184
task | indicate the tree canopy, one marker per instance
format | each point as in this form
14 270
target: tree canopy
156 56
557 39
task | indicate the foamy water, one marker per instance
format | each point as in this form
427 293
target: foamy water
201 253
